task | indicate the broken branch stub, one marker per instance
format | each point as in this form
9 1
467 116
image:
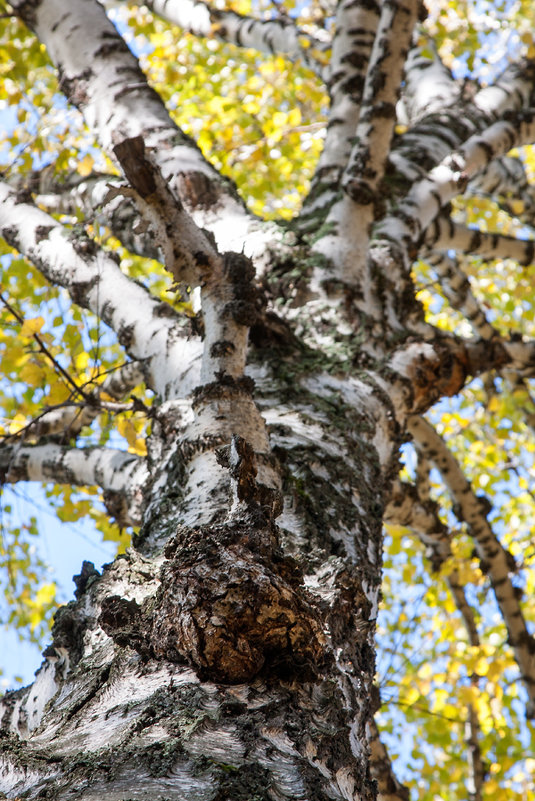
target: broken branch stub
188 253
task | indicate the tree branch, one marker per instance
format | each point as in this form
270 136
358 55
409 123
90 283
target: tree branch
444 234
427 197
433 137
189 255
505 177
146 327
388 785
407 508
100 76
356 26
110 469
495 560
513 90
429 87
353 214
228 296
377 118
267 36
74 193
456 287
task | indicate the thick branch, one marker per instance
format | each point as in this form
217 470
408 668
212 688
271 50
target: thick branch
378 110
189 255
439 136
429 86
353 215
110 469
513 90
267 36
356 26
428 196
101 77
456 286
148 329
436 135
495 560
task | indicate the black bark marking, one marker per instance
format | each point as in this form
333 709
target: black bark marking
42 232
85 578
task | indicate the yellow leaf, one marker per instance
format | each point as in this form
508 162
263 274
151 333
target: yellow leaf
412 696
17 424
139 447
482 667
440 698
517 206
58 393
85 166
32 326
45 594
32 374
468 695
82 360
186 308
127 430
294 117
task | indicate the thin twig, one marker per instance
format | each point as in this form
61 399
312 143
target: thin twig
43 348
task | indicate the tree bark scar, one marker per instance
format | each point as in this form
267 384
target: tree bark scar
229 613
229 603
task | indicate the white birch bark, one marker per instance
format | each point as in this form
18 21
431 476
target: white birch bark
100 76
494 558
95 281
264 35
112 470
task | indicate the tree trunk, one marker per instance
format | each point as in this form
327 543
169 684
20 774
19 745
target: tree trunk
228 663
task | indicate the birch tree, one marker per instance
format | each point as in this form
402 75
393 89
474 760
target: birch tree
253 253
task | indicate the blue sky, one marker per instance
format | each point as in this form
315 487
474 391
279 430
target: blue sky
64 546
